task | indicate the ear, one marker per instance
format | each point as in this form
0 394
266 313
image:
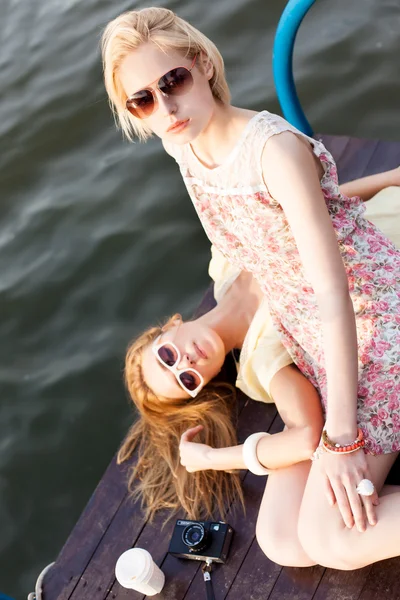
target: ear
207 66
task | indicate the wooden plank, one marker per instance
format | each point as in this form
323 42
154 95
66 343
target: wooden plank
385 156
98 577
342 585
334 143
354 160
383 581
297 583
256 578
154 538
86 536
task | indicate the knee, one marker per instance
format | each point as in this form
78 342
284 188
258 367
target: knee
327 543
280 546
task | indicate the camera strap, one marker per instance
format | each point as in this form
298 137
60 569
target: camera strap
206 568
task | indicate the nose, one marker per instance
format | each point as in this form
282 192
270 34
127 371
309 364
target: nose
166 103
186 361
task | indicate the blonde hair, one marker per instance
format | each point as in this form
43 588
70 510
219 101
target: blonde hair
157 477
169 32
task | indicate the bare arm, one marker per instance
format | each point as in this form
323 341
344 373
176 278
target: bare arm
366 187
292 177
299 406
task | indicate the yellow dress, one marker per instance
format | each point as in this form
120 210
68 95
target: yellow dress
263 354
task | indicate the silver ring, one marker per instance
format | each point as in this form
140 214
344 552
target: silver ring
365 488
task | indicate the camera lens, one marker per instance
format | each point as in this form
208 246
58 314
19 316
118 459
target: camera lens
194 536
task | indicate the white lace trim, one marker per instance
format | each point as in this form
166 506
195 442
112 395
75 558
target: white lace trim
251 189
241 172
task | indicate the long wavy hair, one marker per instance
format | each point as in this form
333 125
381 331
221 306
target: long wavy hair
157 477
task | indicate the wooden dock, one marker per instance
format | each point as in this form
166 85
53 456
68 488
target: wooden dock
111 523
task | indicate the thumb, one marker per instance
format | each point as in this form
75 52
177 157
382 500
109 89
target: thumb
189 434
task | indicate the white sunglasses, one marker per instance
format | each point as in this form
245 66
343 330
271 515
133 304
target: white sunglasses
169 356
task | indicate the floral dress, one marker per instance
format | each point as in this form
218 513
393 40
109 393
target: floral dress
251 230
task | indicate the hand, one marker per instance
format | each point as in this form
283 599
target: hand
343 474
194 456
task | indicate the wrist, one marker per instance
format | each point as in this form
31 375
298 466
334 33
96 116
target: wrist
222 459
346 446
342 437
341 433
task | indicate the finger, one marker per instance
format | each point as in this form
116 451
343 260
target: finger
369 509
375 499
189 434
356 507
343 504
329 493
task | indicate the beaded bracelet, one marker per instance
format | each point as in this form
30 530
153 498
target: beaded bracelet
333 447
326 445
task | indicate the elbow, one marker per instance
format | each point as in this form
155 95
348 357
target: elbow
333 302
335 293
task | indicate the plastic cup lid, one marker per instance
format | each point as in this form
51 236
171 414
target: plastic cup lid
132 566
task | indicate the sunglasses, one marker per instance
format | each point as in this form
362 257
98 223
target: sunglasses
169 356
176 82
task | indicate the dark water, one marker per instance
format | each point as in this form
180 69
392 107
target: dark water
98 238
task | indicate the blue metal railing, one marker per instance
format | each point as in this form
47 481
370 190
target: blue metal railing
282 63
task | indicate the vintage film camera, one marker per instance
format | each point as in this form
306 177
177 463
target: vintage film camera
201 540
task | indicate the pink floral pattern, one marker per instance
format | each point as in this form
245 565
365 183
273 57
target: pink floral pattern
251 230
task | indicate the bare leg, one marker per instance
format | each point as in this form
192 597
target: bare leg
327 540
277 521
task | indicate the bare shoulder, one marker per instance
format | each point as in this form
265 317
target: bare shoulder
286 145
288 160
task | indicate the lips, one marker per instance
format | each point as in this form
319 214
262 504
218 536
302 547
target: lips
177 125
199 351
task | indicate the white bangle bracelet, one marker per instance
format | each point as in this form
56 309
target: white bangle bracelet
249 454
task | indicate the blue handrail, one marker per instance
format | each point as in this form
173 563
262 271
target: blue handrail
282 63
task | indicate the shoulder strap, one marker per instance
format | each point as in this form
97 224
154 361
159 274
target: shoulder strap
270 125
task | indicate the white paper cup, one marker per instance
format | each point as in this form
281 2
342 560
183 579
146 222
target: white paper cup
135 569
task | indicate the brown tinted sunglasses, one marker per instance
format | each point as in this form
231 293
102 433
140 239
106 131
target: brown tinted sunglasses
176 82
